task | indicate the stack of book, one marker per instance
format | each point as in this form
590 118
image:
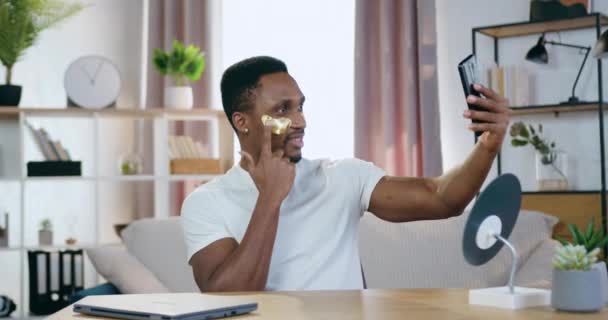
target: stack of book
51 150
189 157
512 82
184 147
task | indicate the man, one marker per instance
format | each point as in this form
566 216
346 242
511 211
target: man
277 221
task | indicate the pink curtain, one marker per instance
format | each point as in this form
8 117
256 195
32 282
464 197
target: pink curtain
189 22
186 21
396 103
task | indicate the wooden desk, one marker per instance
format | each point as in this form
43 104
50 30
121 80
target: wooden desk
425 304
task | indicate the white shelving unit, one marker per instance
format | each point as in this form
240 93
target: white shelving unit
100 179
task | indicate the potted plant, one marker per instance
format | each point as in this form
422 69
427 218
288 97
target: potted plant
576 283
45 233
551 164
182 64
591 239
130 164
21 21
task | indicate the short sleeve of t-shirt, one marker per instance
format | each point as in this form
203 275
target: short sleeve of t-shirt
202 221
364 176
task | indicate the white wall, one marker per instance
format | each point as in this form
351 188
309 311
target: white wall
315 38
575 133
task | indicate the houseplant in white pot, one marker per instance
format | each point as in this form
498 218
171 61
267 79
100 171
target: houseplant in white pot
592 239
579 282
21 22
181 64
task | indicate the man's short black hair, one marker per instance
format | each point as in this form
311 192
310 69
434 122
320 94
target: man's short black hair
241 79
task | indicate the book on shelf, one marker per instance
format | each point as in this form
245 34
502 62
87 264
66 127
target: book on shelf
63 154
184 147
51 150
190 157
43 143
512 82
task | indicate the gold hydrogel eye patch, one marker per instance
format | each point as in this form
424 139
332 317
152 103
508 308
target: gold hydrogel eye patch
279 125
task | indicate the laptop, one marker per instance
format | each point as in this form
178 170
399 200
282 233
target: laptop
173 306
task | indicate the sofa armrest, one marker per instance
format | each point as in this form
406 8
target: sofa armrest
102 289
123 270
536 271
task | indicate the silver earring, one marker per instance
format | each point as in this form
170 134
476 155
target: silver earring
246 130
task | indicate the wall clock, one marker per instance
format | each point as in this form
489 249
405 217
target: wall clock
92 82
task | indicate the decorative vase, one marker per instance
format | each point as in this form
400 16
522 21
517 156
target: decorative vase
601 266
179 98
45 237
577 291
552 171
130 164
10 95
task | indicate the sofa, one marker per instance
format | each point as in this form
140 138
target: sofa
423 254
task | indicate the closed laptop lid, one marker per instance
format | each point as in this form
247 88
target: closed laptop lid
164 304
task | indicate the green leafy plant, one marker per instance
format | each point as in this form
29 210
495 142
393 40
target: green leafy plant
591 239
127 168
574 257
181 63
522 135
22 21
46 225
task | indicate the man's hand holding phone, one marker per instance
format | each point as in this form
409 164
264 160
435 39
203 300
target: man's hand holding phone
491 118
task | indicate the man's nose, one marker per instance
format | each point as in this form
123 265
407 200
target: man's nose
298 121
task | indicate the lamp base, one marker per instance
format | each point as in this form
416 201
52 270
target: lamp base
501 297
572 100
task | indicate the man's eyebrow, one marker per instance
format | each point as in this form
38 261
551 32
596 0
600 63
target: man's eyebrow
281 103
287 101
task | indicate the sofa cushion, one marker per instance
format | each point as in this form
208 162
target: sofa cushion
123 270
428 254
537 271
159 245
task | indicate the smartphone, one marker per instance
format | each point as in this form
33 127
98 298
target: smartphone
469 75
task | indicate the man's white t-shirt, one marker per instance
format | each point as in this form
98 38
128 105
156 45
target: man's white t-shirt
316 245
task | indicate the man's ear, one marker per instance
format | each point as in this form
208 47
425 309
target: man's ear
241 122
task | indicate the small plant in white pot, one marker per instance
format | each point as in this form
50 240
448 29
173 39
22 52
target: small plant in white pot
181 64
45 233
592 239
579 282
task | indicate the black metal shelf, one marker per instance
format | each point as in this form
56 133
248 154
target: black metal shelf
525 28
565 192
591 21
556 108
